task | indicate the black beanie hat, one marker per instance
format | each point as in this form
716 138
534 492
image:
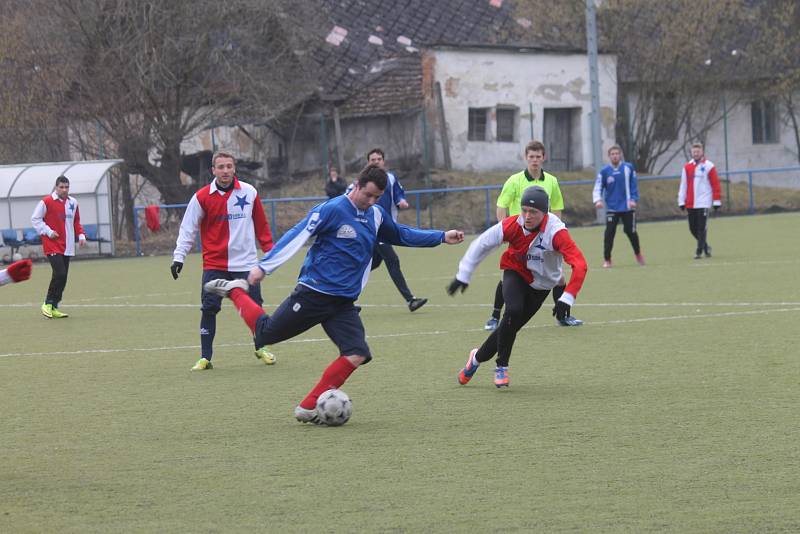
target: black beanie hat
536 197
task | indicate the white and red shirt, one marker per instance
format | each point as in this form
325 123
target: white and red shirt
231 225
699 185
53 215
536 255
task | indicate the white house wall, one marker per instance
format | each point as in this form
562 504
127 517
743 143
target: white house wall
488 78
742 153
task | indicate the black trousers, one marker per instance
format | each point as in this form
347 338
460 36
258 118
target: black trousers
60 265
628 219
384 252
698 226
522 303
499 299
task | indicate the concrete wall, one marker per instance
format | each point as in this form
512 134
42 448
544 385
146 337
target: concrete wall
489 78
742 153
398 135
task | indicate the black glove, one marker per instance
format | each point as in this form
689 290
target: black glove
455 285
176 268
561 310
682 207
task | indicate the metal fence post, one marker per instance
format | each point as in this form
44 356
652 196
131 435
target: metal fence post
419 213
488 208
430 210
752 207
272 220
136 234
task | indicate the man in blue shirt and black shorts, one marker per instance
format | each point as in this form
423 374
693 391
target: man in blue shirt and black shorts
334 273
617 186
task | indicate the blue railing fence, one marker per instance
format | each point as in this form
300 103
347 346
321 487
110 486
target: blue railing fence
423 205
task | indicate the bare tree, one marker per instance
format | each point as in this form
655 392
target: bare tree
774 51
31 95
145 75
667 91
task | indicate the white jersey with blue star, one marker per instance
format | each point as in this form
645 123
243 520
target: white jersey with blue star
339 261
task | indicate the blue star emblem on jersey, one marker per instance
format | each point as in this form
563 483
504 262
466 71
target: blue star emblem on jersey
241 201
71 206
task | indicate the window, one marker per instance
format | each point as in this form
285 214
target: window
665 118
505 123
477 124
764 115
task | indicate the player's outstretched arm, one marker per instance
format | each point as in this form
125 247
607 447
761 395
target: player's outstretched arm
455 285
255 276
19 271
453 237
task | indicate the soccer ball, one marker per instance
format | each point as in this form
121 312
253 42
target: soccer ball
334 407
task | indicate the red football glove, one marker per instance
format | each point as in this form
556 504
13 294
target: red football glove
20 270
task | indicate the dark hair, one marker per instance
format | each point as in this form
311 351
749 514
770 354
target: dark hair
374 174
534 146
62 180
376 151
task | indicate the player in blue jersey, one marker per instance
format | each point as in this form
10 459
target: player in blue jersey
392 200
617 186
335 271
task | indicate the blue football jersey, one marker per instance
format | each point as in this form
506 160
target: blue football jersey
339 261
616 187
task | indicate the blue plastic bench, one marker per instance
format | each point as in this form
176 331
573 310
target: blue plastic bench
12 240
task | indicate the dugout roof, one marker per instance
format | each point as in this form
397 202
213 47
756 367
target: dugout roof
22 186
38 179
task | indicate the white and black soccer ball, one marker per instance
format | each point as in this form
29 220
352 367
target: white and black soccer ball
334 407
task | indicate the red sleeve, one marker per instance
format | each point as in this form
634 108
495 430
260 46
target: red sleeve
563 243
714 179
77 221
263 233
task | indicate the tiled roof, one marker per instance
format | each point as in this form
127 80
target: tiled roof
371 55
398 88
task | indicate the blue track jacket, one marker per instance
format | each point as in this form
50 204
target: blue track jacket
339 261
616 187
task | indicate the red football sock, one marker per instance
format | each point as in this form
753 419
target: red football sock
333 377
249 310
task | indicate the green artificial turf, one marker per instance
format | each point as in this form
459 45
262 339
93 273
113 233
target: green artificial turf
673 409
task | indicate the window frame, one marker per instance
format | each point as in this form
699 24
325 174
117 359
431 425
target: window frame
474 131
512 126
665 117
764 122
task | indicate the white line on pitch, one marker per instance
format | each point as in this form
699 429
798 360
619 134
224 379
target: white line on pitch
454 305
406 334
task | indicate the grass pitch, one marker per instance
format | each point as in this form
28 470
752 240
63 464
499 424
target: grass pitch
673 409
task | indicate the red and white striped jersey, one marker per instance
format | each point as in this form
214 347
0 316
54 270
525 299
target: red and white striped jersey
536 255
699 185
53 215
231 225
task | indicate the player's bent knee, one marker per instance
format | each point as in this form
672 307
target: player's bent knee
357 359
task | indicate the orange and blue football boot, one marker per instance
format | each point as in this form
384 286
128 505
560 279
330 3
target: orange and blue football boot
465 374
501 377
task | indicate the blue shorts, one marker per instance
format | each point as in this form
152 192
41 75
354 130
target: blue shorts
211 302
305 308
